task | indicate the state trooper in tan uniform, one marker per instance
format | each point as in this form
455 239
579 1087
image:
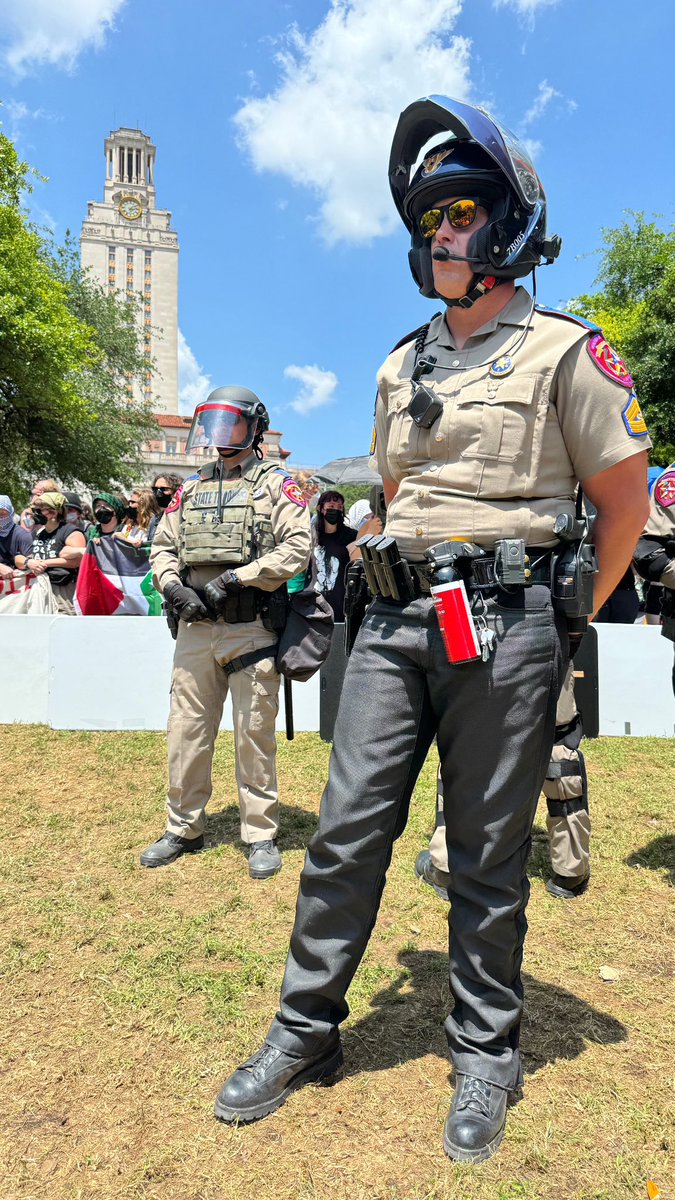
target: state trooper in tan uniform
487 419
568 821
221 556
654 557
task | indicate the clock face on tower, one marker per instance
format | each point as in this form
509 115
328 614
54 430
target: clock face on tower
129 208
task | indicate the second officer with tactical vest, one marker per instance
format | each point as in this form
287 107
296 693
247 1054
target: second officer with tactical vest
223 551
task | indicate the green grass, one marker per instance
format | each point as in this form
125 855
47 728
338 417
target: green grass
129 995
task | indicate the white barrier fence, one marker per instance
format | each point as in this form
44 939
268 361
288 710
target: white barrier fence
114 672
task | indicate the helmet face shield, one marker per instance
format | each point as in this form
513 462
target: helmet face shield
223 426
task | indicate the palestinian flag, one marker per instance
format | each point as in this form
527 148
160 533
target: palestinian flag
114 580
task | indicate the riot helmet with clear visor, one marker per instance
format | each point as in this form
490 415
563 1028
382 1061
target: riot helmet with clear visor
476 157
231 418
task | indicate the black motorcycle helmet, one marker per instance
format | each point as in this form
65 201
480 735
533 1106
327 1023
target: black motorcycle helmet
231 418
478 158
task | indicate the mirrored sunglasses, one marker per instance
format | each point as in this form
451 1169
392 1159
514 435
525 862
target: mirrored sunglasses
460 214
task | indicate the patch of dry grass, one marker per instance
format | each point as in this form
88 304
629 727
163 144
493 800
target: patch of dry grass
128 996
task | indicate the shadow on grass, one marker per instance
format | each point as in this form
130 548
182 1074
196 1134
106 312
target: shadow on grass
659 853
408 1020
296 827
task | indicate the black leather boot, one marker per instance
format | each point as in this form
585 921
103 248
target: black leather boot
168 848
567 887
265 1082
475 1124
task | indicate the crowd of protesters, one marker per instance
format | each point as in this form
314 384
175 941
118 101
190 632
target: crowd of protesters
49 537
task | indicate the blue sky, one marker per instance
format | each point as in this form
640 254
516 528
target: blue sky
273 123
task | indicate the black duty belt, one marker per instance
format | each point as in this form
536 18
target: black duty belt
481 572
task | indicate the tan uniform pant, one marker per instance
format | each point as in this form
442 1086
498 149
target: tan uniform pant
568 821
199 687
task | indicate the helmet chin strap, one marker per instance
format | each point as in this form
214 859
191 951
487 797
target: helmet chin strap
480 284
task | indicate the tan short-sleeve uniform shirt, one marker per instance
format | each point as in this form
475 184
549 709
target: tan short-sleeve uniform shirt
506 454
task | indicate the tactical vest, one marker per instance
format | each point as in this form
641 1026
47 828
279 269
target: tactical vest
227 521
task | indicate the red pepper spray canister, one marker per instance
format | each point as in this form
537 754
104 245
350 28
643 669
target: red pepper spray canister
455 619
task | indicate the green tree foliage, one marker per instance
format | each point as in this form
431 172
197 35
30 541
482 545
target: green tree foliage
68 352
636 311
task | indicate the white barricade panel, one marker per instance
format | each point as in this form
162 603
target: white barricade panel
109 673
115 672
24 654
635 666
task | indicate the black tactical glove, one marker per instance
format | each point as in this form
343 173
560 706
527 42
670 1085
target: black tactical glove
219 590
186 603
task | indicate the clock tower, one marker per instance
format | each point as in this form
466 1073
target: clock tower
129 246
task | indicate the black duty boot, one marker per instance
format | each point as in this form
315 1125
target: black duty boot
168 848
265 1082
428 873
475 1124
264 860
567 887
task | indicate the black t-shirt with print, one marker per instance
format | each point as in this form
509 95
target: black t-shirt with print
49 545
328 565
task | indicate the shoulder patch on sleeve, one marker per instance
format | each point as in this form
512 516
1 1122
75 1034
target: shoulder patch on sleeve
633 418
608 361
565 316
664 489
291 489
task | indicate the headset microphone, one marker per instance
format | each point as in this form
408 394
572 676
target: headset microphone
442 255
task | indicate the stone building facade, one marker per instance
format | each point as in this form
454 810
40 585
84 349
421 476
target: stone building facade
128 245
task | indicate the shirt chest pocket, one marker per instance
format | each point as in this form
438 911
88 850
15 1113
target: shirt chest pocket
407 443
496 419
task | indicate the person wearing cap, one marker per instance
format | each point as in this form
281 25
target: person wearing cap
56 550
75 511
487 419
225 547
13 539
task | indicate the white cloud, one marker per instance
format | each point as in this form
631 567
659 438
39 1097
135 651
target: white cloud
541 102
193 385
317 387
33 32
525 8
328 125
13 115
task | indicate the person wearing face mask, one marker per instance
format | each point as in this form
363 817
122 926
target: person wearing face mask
141 510
75 513
109 513
223 551
330 556
13 539
164 488
57 549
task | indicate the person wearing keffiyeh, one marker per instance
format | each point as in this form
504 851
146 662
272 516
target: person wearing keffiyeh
13 539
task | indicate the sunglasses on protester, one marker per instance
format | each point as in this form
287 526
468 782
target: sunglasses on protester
461 214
